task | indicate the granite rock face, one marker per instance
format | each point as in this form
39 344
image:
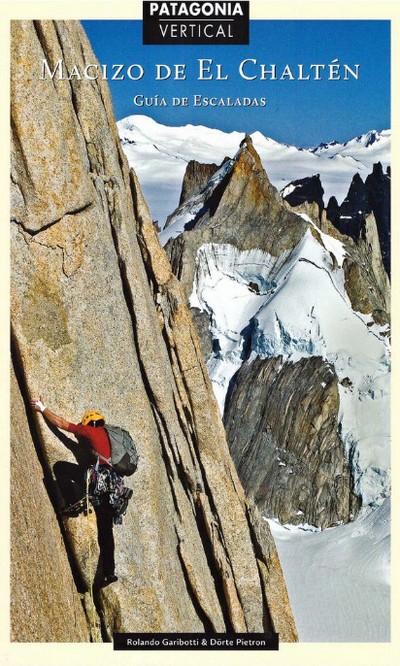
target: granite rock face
305 190
99 320
289 453
363 199
351 214
332 209
45 604
378 190
196 177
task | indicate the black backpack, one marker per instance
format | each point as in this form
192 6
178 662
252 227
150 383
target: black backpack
124 455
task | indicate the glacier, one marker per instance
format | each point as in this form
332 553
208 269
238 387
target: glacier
338 579
300 309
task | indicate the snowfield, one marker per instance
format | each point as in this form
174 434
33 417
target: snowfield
338 580
159 154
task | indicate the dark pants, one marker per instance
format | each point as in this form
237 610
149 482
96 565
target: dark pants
71 482
105 537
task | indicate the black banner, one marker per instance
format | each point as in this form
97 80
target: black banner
196 22
153 641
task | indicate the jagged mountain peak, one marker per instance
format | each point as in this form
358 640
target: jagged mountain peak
305 191
363 198
357 180
324 145
377 169
370 138
249 156
196 178
242 193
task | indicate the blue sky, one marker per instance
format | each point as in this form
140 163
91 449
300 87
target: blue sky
303 113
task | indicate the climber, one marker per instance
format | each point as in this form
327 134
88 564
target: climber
90 427
107 492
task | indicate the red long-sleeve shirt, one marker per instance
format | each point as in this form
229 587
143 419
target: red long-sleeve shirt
97 437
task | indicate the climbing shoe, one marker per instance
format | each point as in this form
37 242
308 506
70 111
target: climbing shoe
112 578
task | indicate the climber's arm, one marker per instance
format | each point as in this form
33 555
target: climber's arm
55 420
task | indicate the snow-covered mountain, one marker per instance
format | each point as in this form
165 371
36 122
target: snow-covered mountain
301 310
159 154
293 323
273 284
374 144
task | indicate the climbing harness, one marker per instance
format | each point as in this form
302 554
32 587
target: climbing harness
105 488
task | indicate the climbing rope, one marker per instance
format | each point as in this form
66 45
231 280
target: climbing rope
94 626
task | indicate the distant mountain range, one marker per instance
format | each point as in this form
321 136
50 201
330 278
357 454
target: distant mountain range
159 154
356 147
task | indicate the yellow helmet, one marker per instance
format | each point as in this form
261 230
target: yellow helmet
92 415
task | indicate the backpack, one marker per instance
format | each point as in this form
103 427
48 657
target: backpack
124 455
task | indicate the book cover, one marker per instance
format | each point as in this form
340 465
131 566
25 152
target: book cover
200 252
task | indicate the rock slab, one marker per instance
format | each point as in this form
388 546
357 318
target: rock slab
99 320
